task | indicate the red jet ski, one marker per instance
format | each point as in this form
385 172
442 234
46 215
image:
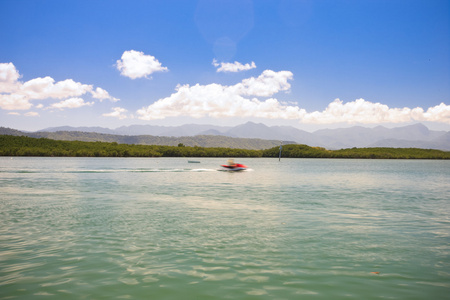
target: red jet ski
234 167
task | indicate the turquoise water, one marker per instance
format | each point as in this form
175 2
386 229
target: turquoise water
161 228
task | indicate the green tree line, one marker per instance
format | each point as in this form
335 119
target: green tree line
26 146
303 151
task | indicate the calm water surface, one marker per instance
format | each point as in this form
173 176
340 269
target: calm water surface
159 228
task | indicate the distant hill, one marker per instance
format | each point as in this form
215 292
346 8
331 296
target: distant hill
199 140
417 135
80 129
439 142
175 131
358 136
10 131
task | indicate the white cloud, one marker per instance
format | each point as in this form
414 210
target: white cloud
438 113
135 64
365 112
215 100
14 101
241 100
16 95
101 94
233 67
252 97
43 88
9 77
118 112
266 85
71 103
28 114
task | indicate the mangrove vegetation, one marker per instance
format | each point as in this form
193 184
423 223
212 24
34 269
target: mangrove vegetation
27 146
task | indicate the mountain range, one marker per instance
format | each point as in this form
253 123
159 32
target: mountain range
411 136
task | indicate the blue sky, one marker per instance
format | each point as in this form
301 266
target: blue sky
309 64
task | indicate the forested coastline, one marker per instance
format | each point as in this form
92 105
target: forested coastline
27 146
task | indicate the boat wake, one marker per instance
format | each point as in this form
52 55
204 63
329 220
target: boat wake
139 170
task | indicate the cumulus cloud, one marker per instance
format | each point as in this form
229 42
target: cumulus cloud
365 112
9 77
251 97
265 85
14 102
215 100
101 95
233 67
118 112
71 103
242 100
438 113
135 64
17 95
43 88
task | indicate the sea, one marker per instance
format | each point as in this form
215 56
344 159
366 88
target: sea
165 228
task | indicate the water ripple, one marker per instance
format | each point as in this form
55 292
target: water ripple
322 229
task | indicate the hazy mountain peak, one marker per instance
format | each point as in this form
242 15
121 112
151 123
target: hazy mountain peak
356 136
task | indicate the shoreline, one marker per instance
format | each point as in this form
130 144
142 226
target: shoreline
12 146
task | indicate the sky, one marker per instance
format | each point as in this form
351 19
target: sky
310 64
